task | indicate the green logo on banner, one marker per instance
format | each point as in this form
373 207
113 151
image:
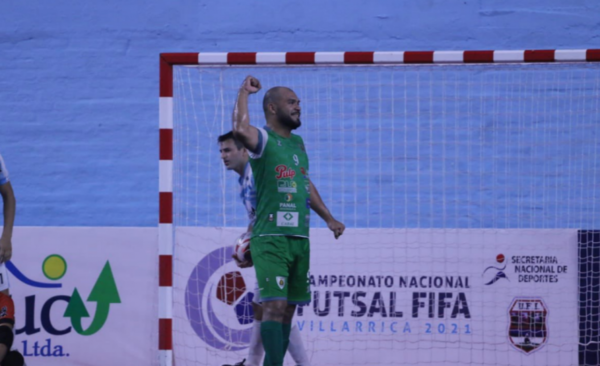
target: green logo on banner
103 294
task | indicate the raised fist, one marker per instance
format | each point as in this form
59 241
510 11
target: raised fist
251 84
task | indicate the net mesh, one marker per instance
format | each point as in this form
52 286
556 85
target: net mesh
442 147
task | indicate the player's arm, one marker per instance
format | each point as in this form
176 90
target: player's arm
10 208
317 204
243 131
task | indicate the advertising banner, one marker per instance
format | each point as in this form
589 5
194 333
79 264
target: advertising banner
394 296
85 296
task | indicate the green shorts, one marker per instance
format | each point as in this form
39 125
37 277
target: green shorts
281 264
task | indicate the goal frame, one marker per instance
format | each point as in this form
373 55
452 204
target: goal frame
168 60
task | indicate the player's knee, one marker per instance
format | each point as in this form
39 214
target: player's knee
6 337
289 313
13 358
258 311
274 309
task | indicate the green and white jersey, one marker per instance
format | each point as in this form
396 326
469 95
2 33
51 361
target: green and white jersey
280 167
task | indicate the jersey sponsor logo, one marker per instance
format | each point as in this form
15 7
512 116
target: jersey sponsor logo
284 172
308 203
304 173
287 206
288 197
286 186
270 217
287 219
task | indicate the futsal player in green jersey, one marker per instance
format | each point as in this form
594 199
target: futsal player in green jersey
285 195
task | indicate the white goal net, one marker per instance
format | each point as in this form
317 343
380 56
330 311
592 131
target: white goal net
462 188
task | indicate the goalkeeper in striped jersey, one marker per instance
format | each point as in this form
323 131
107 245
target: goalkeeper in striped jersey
235 157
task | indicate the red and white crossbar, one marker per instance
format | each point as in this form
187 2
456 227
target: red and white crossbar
168 60
391 57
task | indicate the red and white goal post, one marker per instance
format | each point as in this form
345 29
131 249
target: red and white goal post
445 166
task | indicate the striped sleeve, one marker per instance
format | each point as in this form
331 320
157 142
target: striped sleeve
263 137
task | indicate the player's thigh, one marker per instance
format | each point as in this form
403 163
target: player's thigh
299 281
7 310
271 263
4 283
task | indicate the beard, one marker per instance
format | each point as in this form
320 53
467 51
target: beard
287 121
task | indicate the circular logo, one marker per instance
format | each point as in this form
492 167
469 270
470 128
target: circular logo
54 267
500 258
218 306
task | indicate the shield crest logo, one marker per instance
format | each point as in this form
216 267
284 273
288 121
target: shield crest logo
528 326
280 282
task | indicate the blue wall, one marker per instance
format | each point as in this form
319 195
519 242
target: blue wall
78 79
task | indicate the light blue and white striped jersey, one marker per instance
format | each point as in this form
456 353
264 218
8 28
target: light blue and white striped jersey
248 192
3 172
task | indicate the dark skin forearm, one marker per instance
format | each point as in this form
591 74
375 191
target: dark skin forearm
242 130
317 204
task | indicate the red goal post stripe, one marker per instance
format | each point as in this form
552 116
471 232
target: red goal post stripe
165 204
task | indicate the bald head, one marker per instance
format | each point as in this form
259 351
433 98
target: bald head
273 96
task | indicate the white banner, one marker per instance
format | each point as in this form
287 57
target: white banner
85 296
394 296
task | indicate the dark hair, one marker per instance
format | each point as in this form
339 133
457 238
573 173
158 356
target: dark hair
229 136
